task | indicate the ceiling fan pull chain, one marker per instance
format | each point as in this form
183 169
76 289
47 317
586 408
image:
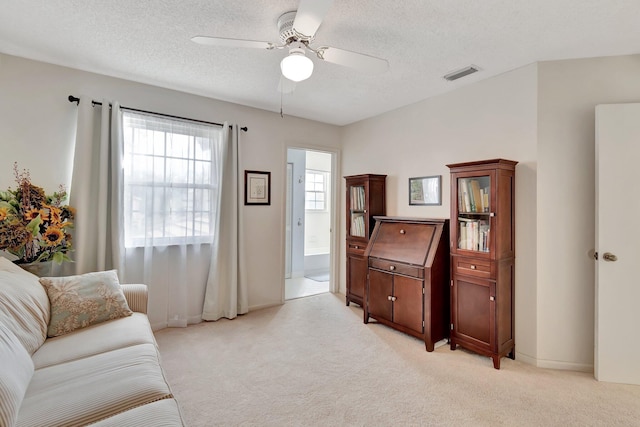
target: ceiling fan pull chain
281 115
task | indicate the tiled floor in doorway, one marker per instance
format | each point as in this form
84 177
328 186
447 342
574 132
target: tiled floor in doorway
303 287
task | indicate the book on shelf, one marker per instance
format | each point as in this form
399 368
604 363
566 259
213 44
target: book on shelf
357 198
485 200
472 196
477 198
465 199
357 226
473 234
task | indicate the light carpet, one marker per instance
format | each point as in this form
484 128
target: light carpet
313 362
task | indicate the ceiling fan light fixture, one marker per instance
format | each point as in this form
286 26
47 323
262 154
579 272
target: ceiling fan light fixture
296 66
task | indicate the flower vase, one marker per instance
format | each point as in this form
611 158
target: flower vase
40 269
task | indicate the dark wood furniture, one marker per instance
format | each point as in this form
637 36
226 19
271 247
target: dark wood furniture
365 199
408 286
482 257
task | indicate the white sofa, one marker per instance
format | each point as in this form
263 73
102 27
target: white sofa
106 374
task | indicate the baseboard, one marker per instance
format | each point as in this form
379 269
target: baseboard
260 307
554 364
565 366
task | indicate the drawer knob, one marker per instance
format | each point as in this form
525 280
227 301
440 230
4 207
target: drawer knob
402 232
389 297
392 267
393 298
492 298
473 267
357 247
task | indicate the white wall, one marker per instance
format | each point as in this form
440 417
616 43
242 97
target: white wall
490 119
568 93
37 130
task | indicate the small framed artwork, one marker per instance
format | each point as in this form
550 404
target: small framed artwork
425 190
257 188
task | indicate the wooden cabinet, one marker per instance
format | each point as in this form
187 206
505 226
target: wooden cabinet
482 241
365 199
408 277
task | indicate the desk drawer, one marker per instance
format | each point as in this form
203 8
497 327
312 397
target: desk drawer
473 267
396 267
356 248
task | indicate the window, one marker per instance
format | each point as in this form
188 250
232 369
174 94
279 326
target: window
316 190
170 180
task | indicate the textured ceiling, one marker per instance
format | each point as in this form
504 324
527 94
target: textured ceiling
149 41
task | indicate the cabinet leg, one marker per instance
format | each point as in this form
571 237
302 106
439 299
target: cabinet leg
429 345
347 298
452 345
366 316
512 354
496 361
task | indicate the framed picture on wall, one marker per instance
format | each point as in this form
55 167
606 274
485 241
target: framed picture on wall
425 190
257 188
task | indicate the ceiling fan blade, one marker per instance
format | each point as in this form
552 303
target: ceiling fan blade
365 63
219 41
285 85
309 16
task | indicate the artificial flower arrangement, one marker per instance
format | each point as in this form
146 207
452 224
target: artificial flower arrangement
33 226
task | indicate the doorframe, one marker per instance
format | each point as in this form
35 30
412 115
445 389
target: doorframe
336 207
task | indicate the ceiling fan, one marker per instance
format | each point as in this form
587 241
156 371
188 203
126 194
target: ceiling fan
297 31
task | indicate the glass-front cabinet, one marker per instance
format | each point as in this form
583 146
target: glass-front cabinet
482 242
365 198
358 223
474 213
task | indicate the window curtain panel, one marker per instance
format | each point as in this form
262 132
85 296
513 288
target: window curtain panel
95 190
226 291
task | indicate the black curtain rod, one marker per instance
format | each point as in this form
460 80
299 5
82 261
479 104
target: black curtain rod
94 103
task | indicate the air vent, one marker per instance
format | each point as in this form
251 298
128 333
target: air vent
458 74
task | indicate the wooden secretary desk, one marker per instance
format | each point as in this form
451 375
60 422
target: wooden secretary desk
408 277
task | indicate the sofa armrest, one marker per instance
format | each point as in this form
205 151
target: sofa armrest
137 297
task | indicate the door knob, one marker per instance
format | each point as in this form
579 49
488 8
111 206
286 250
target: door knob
607 256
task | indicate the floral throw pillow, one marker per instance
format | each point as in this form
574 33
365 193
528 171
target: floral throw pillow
84 300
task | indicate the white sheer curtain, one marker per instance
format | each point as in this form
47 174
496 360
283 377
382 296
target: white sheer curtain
96 188
226 292
170 203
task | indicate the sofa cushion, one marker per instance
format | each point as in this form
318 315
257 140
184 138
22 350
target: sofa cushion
24 305
163 413
95 339
93 388
84 300
16 370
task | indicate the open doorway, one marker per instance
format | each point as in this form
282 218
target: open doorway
309 216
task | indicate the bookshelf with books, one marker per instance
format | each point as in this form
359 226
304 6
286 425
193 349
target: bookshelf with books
365 198
482 242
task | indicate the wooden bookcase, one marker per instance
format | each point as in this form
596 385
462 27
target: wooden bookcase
482 243
365 199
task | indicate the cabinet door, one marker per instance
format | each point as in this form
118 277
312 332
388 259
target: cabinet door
473 311
408 303
357 279
380 290
474 209
358 221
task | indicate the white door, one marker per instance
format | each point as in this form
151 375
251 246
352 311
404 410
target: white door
617 317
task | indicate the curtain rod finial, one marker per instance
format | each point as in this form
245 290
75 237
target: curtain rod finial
74 99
